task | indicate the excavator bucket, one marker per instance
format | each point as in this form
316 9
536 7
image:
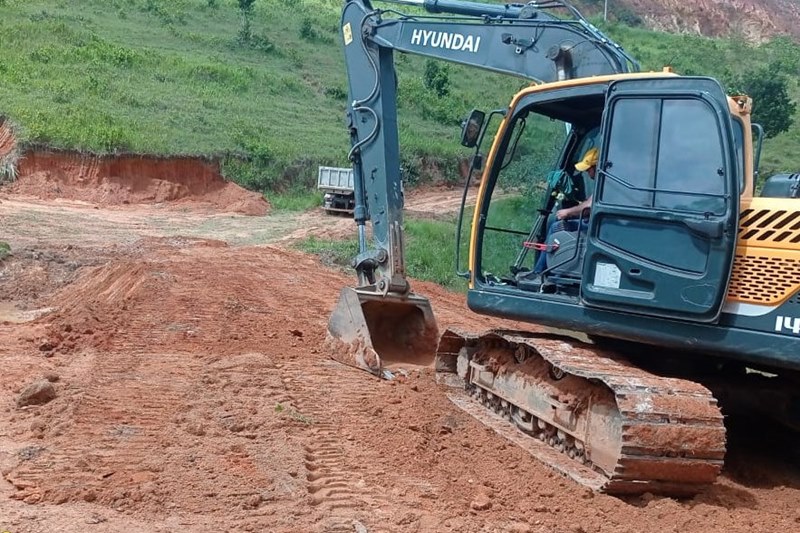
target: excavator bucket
376 332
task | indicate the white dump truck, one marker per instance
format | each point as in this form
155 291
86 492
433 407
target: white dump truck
337 184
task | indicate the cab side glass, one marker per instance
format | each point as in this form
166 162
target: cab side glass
471 128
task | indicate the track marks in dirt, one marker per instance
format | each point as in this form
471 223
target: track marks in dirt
331 397
150 431
108 430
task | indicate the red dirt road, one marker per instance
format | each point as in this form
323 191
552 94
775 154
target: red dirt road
193 395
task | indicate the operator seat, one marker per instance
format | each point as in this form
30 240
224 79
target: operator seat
566 245
564 256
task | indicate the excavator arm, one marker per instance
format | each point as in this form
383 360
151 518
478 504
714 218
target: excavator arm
381 319
519 40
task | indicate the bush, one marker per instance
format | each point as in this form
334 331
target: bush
112 137
437 77
98 51
784 54
169 14
5 248
246 11
445 110
262 43
307 31
337 93
628 17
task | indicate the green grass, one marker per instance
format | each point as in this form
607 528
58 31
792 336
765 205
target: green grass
429 245
296 200
430 252
337 253
170 77
500 249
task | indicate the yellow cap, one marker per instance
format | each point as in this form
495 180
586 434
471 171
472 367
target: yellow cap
589 160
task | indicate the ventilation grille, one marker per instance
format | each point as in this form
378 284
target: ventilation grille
764 280
767 225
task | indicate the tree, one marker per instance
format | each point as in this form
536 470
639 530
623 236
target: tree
769 89
246 10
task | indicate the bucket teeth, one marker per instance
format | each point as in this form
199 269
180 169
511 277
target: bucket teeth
637 431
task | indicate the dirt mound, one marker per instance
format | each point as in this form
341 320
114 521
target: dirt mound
132 179
32 274
88 313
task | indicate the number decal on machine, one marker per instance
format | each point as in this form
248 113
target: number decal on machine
784 323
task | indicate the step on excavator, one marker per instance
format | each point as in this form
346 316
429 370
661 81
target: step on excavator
682 282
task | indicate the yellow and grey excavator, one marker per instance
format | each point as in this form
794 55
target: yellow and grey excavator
678 273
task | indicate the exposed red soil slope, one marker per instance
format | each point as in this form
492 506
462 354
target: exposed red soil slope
752 20
132 179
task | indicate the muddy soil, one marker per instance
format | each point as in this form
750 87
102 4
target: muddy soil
130 179
192 394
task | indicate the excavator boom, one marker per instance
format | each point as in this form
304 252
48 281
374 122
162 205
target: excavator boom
525 41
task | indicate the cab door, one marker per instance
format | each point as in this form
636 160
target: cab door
662 231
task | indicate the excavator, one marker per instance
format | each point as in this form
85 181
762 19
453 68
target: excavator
673 292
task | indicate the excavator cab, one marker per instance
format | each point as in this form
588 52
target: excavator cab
660 234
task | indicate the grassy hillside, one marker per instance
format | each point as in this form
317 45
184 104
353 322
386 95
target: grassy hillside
171 76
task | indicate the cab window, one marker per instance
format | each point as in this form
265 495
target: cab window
665 154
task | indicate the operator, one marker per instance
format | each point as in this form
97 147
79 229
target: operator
563 220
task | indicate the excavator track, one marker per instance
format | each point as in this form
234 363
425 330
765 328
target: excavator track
619 429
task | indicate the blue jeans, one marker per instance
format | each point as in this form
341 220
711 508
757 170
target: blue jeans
572 224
